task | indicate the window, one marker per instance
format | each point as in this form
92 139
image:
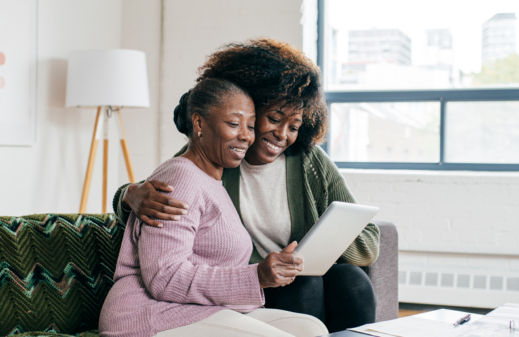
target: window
421 84
385 132
482 132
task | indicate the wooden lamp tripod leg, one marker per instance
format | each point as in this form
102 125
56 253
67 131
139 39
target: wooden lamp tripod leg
126 153
106 127
91 161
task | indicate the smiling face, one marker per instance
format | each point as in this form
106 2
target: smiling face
228 131
277 127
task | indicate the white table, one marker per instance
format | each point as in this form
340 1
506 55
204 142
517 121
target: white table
442 315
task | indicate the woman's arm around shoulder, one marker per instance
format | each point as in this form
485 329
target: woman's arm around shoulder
121 212
159 207
365 249
165 254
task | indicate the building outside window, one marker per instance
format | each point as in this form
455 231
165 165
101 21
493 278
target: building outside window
434 86
499 37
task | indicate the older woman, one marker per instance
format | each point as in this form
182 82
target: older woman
284 184
192 278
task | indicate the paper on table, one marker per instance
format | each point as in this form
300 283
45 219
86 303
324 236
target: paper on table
407 327
449 316
496 323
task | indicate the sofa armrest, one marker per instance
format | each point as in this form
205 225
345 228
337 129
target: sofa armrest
384 272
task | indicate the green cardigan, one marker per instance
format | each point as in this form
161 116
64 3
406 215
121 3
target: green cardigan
313 182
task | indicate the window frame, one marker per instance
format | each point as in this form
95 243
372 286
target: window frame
443 96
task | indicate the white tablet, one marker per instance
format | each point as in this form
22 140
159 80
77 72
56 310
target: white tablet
337 228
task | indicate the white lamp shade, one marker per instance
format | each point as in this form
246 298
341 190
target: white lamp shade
107 77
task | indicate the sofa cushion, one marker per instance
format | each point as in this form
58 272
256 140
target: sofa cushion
55 272
92 333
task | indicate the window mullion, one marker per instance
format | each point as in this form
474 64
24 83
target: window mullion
442 130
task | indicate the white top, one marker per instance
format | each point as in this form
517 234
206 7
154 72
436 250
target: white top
264 204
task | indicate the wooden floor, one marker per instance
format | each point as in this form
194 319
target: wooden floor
408 309
405 313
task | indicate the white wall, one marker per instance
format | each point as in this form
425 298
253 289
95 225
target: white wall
48 176
176 36
309 22
452 223
462 212
196 28
141 30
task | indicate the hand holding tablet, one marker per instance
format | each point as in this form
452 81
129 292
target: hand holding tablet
279 269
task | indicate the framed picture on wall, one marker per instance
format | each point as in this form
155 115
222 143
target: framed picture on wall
18 60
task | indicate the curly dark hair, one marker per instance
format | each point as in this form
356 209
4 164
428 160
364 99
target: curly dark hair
272 71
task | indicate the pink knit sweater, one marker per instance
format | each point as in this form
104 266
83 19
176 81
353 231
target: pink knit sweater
189 269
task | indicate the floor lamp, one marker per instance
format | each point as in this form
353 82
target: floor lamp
108 79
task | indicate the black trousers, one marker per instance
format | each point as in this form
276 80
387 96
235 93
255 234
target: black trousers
342 298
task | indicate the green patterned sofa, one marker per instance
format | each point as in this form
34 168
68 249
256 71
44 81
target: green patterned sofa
55 272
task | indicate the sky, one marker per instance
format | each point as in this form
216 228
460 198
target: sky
464 18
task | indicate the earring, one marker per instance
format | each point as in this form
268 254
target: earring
199 133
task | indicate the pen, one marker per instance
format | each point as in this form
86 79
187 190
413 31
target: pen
462 320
